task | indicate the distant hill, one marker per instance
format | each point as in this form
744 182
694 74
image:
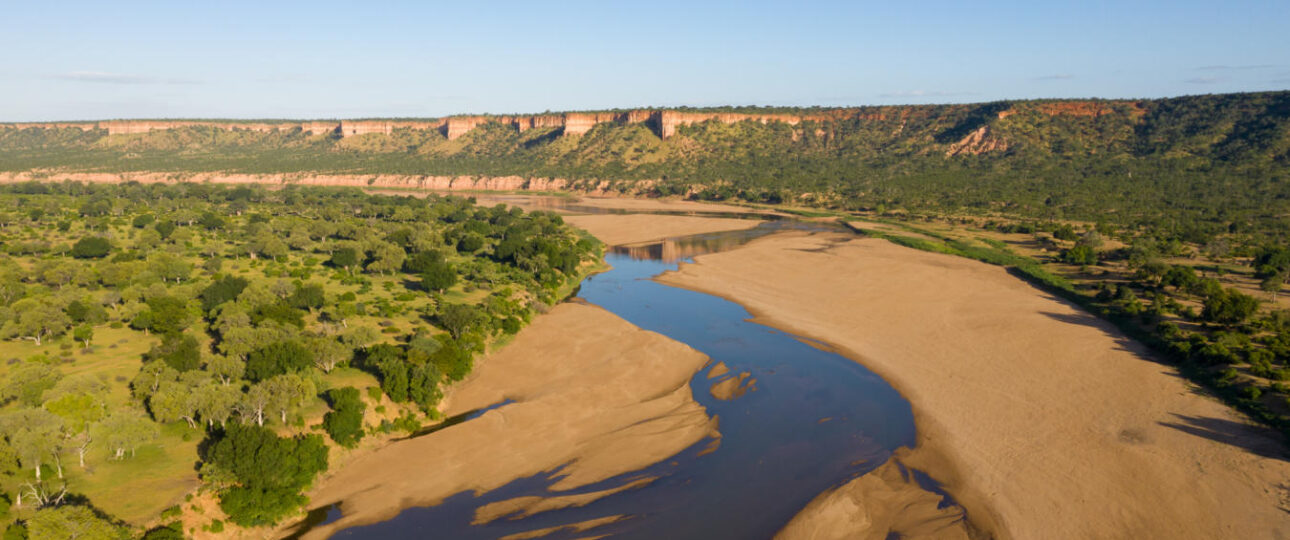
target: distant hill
1195 165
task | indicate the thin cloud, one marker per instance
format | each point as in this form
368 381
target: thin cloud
922 93
1055 77
115 78
1226 67
1202 80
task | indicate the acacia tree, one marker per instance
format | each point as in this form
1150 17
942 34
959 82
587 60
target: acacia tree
257 399
386 258
72 522
174 401
84 334
328 353
216 402
35 435
225 368
124 430
28 382
79 411
288 392
37 319
346 257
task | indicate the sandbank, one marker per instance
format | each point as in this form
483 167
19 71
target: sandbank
1041 420
622 229
591 396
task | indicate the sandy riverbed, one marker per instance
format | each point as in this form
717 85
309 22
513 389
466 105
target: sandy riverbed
593 396
1042 420
620 229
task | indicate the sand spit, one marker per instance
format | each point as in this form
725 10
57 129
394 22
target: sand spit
668 205
620 229
590 392
1042 420
884 502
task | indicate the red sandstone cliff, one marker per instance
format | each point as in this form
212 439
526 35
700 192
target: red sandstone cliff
663 122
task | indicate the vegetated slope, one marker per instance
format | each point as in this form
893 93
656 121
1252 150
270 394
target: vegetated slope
1212 163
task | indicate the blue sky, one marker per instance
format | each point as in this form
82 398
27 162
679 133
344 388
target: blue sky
123 59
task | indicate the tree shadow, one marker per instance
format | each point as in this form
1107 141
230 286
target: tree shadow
1123 342
1255 439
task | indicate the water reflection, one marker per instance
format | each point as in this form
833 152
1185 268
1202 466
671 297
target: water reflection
676 249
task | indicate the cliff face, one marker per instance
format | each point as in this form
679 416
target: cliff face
664 123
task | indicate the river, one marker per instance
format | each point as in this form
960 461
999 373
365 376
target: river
810 420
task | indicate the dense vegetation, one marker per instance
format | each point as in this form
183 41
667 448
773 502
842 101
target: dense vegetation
141 320
1191 166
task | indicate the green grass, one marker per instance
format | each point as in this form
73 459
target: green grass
138 488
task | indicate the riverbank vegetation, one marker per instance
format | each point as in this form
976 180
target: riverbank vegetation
150 327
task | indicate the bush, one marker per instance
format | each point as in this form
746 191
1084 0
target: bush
91 247
278 359
344 423
270 471
1229 307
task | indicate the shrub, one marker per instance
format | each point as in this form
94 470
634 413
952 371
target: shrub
344 423
91 247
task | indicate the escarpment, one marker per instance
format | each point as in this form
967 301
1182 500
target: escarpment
955 130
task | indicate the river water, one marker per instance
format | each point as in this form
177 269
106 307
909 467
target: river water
810 420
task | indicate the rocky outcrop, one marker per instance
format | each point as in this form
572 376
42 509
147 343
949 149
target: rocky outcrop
1088 108
663 122
668 121
977 142
83 126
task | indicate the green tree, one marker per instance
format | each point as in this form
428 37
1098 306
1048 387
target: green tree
66 522
169 267
289 392
124 430
216 402
438 276
277 359
165 315
222 290
1229 307
459 319
386 258
84 334
165 229
345 257
79 410
309 296
344 423
91 247
37 319
179 351
269 472
1080 254
35 435
27 382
